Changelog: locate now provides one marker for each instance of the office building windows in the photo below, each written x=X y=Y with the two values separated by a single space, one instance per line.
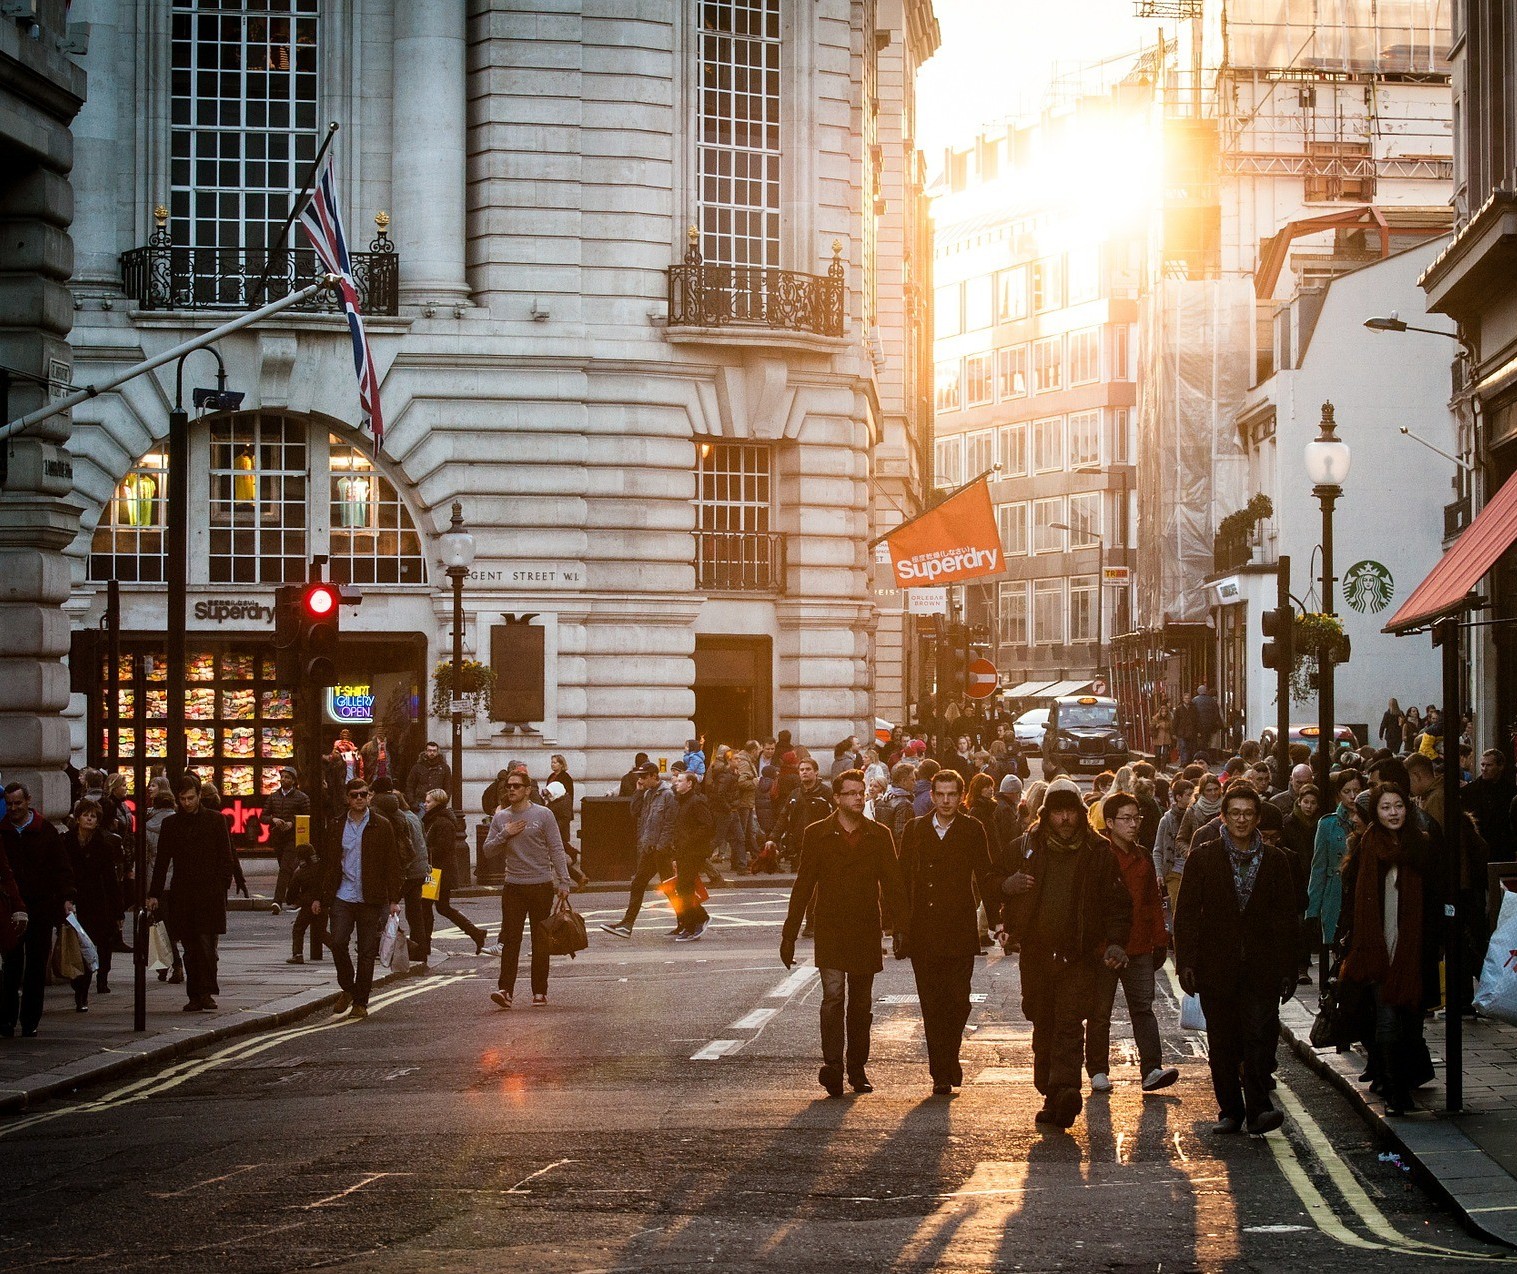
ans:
x=1014 y=613
x=1121 y=352
x=1048 y=444
x=1045 y=539
x=1048 y=612
x=1011 y=294
x=1048 y=364
x=1014 y=450
x=1085 y=356
x=1121 y=428
x=948 y=461
x=1012 y=373
x=1084 y=519
x=947 y=311
x=1082 y=607
x=1047 y=284
x=979 y=452
x=1084 y=439
x=979 y=302
x=1012 y=521
x=1084 y=275
x=946 y=376
x=979 y=383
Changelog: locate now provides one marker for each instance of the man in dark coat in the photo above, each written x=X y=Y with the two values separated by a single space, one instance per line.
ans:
x=847 y=861
x=1208 y=717
x=1070 y=913
x=428 y=772
x=195 y=843
x=1237 y=932
x=807 y=802
x=693 y=827
x=45 y=880
x=944 y=855
x=362 y=880
x=280 y=810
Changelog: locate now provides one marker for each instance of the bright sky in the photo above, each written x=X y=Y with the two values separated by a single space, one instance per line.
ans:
x=999 y=57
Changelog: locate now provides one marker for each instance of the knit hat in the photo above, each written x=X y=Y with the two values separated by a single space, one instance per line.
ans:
x=1063 y=791
x=916 y=747
x=1011 y=785
x=1365 y=804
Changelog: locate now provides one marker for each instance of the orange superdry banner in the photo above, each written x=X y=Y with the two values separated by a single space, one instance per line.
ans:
x=956 y=541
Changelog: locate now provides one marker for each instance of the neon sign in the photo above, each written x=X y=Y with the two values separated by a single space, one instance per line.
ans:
x=350 y=705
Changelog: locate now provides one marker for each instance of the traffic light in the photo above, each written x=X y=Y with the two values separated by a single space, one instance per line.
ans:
x=1279 y=624
x=952 y=670
x=287 y=634
x=319 y=629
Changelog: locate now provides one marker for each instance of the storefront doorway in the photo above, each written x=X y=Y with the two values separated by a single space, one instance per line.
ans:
x=734 y=689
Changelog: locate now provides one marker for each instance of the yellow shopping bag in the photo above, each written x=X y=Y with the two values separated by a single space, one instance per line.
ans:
x=432 y=888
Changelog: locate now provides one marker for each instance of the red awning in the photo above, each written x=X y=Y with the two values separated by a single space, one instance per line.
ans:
x=1461 y=568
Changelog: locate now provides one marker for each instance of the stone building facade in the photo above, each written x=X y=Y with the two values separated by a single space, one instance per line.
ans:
x=623 y=300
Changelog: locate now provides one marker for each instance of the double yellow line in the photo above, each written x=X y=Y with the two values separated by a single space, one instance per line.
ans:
x=181 y=1072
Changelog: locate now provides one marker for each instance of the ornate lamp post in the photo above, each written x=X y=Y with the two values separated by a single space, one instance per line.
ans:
x=456 y=545
x=1327 y=464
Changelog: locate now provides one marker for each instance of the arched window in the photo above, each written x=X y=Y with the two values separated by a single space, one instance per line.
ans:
x=274 y=490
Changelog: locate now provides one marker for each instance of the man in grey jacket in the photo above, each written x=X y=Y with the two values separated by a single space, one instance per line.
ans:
x=536 y=880
x=653 y=809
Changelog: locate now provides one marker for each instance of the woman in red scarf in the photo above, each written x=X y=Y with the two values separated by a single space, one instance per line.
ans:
x=1391 y=904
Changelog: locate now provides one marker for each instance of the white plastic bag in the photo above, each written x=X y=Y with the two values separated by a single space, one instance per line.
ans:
x=387 y=940
x=86 y=946
x=1496 y=996
x=1191 y=1017
x=161 y=949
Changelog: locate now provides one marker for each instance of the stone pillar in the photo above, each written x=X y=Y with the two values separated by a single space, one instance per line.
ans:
x=428 y=169
x=40 y=92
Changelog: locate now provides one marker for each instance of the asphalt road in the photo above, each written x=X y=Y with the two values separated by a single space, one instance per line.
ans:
x=661 y=1114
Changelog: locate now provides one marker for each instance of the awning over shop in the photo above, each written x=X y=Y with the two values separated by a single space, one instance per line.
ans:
x=1061 y=688
x=1474 y=553
x=1028 y=690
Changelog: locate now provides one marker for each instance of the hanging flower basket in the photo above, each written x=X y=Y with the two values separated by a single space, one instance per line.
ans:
x=475 y=682
x=1313 y=635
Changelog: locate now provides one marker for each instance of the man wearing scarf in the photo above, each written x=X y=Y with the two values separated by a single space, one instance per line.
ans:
x=1070 y=912
x=1236 y=937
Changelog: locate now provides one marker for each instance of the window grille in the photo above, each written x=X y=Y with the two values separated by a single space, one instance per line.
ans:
x=373 y=539
x=258 y=476
x=736 y=546
x=243 y=97
x=128 y=543
x=739 y=153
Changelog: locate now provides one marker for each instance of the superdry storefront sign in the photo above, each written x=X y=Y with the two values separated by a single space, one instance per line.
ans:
x=958 y=540
x=233 y=610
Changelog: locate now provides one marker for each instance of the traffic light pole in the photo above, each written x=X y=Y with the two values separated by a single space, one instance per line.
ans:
x=1283 y=678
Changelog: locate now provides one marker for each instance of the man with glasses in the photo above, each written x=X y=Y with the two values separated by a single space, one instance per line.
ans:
x=536 y=878
x=1237 y=933
x=363 y=878
x=1147 y=946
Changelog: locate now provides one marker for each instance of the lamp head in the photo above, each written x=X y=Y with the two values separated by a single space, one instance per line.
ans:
x=456 y=544
x=1327 y=456
x=1392 y=323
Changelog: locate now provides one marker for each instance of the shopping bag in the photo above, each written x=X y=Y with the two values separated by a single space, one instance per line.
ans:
x=563 y=932
x=87 y=950
x=387 y=940
x=432 y=886
x=160 y=949
x=670 y=890
x=400 y=958
x=68 y=959
x=1191 y=1017
x=1496 y=996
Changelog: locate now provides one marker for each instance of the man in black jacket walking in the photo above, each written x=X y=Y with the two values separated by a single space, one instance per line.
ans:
x=945 y=854
x=427 y=772
x=692 y=846
x=1070 y=912
x=1236 y=936
x=45 y=880
x=286 y=803
x=808 y=802
x=847 y=862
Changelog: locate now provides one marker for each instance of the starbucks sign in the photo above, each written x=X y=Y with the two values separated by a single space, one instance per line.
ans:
x=1368 y=587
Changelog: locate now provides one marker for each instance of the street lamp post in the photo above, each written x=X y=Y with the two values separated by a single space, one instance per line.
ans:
x=1327 y=464
x=457 y=547
x=1100 y=590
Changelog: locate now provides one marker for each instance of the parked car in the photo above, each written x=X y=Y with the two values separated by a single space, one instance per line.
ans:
x=1085 y=733
x=1308 y=735
x=1029 y=728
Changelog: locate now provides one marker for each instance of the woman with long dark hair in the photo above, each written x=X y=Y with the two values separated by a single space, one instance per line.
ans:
x=93 y=854
x=1391 y=907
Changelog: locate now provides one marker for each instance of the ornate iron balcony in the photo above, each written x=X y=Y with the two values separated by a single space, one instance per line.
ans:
x=704 y=295
x=162 y=276
x=739 y=562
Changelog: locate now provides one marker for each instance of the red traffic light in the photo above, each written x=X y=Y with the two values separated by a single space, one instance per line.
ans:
x=320 y=600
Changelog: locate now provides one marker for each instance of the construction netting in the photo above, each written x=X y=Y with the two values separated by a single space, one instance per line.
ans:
x=1195 y=346
x=1361 y=37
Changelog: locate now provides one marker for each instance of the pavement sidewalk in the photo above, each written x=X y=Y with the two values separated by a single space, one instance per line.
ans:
x=259 y=991
x=1470 y=1159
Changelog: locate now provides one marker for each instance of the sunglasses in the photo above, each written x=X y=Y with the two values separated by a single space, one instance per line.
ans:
x=351 y=795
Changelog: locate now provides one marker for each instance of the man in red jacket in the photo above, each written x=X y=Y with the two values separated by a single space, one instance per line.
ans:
x=1147 y=945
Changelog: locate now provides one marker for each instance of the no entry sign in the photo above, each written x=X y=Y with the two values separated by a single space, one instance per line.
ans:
x=981 y=679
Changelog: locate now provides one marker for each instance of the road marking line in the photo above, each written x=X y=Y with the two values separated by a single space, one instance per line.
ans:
x=532 y=1176
x=716 y=1049
x=753 y=1020
x=797 y=979
x=367 y=1180
x=210 y=1181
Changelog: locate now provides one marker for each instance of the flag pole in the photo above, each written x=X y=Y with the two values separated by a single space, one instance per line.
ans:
x=268 y=260
x=995 y=468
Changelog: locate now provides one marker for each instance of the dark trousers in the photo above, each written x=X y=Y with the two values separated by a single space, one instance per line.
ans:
x=1396 y=1048
x=520 y=904
x=1137 y=979
x=1057 y=997
x=847 y=1000
x=24 y=975
x=444 y=907
x=650 y=867
x=690 y=913
x=1242 y=1028
x=369 y=919
x=305 y=923
x=200 y=965
x=102 y=932
x=943 y=989
x=287 y=864
x=418 y=920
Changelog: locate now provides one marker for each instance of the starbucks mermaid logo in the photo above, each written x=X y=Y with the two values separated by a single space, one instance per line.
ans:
x=1368 y=586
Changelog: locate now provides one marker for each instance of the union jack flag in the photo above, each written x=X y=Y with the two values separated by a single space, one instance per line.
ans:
x=323 y=226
